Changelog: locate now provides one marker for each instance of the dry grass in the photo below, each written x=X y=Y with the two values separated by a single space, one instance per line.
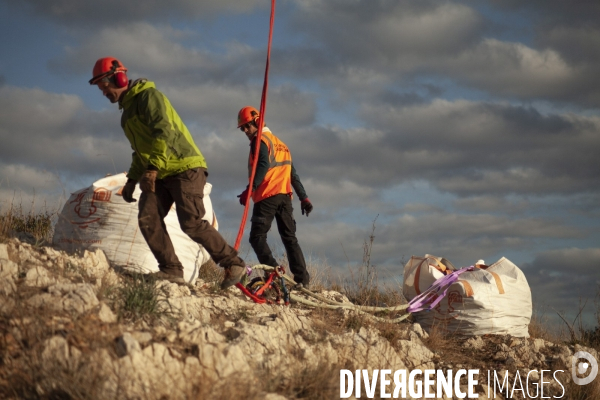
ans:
x=321 y=276
x=296 y=382
x=438 y=339
x=211 y=274
x=362 y=287
x=40 y=225
x=391 y=332
x=575 y=331
x=319 y=382
x=324 y=322
x=582 y=392
x=34 y=378
x=538 y=328
x=24 y=374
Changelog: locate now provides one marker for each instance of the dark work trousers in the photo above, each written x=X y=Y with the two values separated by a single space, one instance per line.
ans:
x=280 y=207
x=186 y=190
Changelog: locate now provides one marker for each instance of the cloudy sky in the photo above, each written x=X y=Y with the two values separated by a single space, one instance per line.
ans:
x=462 y=129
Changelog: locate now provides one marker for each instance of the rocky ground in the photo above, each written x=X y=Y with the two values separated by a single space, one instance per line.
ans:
x=72 y=327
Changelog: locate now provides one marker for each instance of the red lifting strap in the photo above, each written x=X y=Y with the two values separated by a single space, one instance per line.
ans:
x=263 y=103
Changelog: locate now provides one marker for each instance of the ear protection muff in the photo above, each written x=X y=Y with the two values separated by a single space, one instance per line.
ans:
x=120 y=79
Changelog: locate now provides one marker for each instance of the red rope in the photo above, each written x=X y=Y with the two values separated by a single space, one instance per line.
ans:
x=261 y=118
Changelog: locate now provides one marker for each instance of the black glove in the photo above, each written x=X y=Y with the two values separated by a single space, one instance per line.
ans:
x=306 y=206
x=243 y=197
x=128 y=190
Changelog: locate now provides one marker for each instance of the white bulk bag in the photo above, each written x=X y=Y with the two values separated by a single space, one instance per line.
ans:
x=421 y=272
x=97 y=217
x=487 y=300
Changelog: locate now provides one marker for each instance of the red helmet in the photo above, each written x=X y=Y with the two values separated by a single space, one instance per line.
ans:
x=105 y=67
x=247 y=114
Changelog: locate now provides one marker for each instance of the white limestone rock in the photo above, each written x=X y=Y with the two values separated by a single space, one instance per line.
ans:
x=70 y=297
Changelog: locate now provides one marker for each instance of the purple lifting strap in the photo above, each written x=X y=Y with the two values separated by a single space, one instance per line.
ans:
x=431 y=297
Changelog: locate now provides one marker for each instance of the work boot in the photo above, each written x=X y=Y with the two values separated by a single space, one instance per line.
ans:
x=233 y=275
x=300 y=286
x=160 y=275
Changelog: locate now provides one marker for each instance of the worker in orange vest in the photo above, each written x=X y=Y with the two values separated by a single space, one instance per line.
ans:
x=272 y=195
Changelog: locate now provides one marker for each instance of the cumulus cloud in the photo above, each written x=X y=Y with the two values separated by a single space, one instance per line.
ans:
x=341 y=197
x=447 y=40
x=578 y=44
x=57 y=132
x=162 y=54
x=463 y=147
x=487 y=203
x=443 y=122
x=568 y=261
x=455 y=235
x=555 y=11
x=474 y=148
x=570 y=30
x=110 y=12
x=512 y=69
x=26 y=188
x=216 y=106
x=461 y=238
x=35 y=109
x=22 y=176
x=401 y=30
x=563 y=278
x=362 y=48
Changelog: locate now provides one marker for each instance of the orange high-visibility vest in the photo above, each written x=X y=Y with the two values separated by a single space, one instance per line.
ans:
x=278 y=177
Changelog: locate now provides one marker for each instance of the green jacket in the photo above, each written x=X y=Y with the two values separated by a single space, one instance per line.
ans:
x=159 y=138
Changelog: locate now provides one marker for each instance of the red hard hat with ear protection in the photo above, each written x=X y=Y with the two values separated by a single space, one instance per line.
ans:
x=247 y=114
x=109 y=67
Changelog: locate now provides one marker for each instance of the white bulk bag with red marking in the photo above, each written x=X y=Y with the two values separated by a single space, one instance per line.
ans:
x=97 y=217
x=493 y=299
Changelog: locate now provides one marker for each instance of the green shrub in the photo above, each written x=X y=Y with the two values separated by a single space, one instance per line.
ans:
x=137 y=299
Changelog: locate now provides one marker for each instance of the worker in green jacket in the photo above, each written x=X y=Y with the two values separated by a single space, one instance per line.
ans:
x=169 y=168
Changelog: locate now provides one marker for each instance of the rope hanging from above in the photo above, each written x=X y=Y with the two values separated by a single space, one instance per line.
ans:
x=261 y=118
